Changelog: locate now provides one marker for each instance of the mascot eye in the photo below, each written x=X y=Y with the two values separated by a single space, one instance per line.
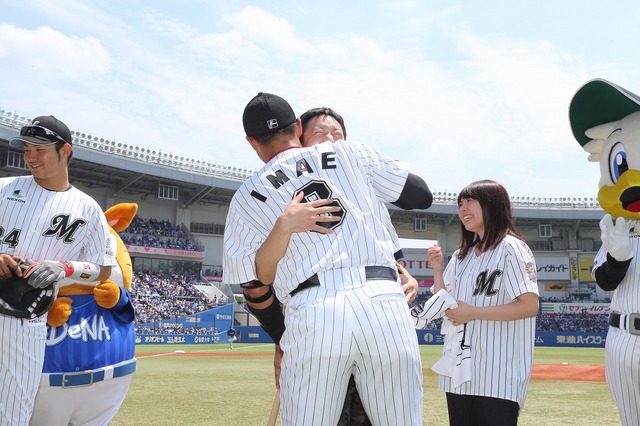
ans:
x=617 y=162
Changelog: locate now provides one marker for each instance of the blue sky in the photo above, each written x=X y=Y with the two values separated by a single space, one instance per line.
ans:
x=461 y=90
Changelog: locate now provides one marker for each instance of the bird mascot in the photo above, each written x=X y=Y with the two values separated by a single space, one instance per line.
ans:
x=605 y=120
x=89 y=357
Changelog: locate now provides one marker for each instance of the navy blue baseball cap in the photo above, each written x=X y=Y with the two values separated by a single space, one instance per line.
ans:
x=43 y=130
x=266 y=113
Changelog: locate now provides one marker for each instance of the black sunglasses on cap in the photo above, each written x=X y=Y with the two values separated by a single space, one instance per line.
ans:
x=41 y=133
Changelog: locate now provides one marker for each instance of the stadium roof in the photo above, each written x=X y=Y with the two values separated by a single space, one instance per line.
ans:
x=134 y=171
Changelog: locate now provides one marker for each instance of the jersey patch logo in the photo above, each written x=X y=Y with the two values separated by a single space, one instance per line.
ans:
x=62 y=229
x=318 y=190
x=485 y=283
x=16 y=196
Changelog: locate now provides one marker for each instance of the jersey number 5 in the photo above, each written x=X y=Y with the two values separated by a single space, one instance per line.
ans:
x=318 y=190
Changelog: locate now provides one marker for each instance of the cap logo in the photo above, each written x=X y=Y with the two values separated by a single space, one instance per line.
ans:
x=272 y=124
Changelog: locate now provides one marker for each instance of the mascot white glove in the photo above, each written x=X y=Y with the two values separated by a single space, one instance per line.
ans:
x=615 y=238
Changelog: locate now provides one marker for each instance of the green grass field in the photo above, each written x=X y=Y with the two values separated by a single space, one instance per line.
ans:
x=236 y=388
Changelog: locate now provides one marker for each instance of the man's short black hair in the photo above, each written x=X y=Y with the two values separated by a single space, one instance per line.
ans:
x=317 y=112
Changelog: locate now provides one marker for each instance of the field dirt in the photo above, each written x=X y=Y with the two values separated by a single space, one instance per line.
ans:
x=572 y=372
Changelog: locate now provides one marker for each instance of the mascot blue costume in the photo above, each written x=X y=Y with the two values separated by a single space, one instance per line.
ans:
x=89 y=358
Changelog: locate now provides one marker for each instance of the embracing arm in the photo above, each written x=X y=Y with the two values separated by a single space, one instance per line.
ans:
x=297 y=217
x=415 y=194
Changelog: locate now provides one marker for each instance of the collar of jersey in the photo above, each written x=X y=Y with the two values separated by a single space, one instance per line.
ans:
x=280 y=152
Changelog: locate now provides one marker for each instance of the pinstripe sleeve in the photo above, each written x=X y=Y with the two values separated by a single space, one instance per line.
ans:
x=102 y=251
x=520 y=268
x=387 y=176
x=241 y=242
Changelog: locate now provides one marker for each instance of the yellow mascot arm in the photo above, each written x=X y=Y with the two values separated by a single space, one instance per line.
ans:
x=106 y=294
x=60 y=312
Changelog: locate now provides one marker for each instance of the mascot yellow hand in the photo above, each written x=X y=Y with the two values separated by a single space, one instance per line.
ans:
x=106 y=294
x=60 y=312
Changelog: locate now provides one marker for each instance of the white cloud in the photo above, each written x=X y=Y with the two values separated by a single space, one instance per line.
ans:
x=43 y=53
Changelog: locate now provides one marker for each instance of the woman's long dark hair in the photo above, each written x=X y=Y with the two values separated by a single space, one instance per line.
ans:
x=496 y=216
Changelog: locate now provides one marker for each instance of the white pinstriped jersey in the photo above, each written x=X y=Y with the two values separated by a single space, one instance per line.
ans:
x=52 y=225
x=622 y=349
x=352 y=173
x=501 y=351
x=42 y=225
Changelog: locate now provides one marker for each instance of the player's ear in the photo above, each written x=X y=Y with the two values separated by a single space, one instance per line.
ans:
x=254 y=143
x=66 y=149
x=298 y=127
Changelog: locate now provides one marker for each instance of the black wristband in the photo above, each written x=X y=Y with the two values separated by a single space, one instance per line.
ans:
x=259 y=299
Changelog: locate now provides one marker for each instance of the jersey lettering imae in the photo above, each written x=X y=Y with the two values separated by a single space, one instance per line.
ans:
x=501 y=351
x=353 y=174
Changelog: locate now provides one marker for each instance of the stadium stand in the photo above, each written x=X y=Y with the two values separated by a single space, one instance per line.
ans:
x=157 y=233
x=183 y=204
x=157 y=296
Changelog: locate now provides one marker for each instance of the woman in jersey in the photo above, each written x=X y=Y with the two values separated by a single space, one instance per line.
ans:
x=492 y=276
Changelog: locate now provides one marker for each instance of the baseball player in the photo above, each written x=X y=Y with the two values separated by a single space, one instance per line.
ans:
x=346 y=313
x=58 y=232
x=492 y=276
x=326 y=125
x=231 y=336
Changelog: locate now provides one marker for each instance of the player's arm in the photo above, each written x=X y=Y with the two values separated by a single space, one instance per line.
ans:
x=297 y=217
x=415 y=194
x=264 y=305
x=410 y=285
x=436 y=262
x=525 y=306
x=43 y=273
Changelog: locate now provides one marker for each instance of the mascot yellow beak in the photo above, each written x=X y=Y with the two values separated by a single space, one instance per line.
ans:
x=623 y=198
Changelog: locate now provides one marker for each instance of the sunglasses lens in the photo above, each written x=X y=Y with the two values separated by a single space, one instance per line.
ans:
x=41 y=133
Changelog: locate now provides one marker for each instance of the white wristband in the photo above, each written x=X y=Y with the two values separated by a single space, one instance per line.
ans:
x=83 y=272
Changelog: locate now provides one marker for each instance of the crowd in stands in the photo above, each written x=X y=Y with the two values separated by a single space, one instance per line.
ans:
x=158 y=296
x=548 y=321
x=176 y=329
x=156 y=233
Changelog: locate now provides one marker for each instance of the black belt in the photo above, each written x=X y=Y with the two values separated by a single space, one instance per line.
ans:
x=619 y=320
x=371 y=273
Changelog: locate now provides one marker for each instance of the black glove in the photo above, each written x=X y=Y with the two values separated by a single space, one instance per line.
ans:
x=20 y=300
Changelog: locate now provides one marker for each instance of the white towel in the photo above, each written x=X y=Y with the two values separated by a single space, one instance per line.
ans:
x=433 y=308
x=456 y=358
